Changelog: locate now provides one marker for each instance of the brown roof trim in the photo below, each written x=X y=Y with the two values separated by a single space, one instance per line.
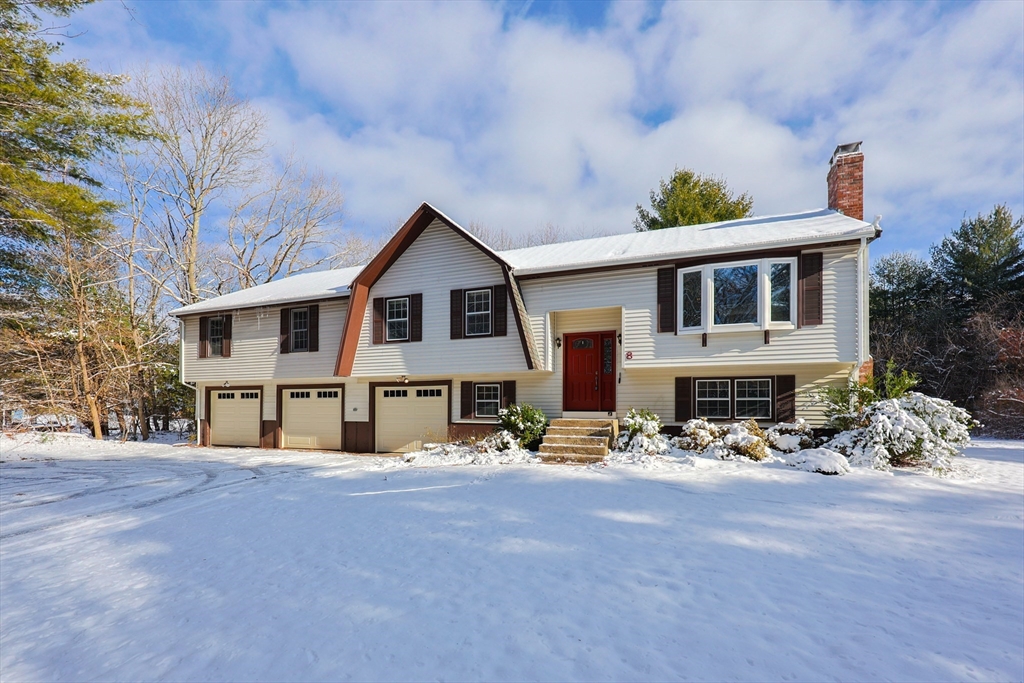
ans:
x=793 y=250
x=518 y=308
x=396 y=246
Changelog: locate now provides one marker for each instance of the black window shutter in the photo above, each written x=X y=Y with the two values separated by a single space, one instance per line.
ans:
x=810 y=289
x=457 y=325
x=314 y=327
x=785 y=398
x=500 y=314
x=667 y=299
x=684 y=400
x=204 y=337
x=286 y=330
x=415 y=317
x=508 y=393
x=467 y=401
x=226 y=346
x=378 y=320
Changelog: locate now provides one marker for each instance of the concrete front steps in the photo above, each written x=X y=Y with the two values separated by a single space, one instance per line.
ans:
x=578 y=441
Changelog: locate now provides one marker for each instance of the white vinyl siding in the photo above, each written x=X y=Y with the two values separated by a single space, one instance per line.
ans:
x=834 y=341
x=436 y=263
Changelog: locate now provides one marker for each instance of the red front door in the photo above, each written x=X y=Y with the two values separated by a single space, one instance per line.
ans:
x=589 y=371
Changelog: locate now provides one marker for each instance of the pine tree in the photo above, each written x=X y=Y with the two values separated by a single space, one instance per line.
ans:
x=982 y=259
x=689 y=198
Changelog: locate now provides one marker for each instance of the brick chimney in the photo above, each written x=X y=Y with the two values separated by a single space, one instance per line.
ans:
x=846 y=180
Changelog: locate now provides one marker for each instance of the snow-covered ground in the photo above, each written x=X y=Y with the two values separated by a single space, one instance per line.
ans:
x=150 y=561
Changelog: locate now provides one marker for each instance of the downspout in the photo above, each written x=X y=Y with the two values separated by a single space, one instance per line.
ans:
x=181 y=373
x=863 y=284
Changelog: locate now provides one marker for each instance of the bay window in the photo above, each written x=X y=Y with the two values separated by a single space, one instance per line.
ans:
x=746 y=295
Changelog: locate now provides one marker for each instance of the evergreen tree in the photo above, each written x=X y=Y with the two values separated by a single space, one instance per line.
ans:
x=982 y=259
x=55 y=119
x=689 y=198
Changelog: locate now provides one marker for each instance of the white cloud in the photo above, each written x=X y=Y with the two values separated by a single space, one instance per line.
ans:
x=518 y=122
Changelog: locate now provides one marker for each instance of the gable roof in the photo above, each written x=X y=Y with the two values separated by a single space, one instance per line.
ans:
x=324 y=284
x=396 y=246
x=745 y=234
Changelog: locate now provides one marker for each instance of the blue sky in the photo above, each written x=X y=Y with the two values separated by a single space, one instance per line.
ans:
x=520 y=114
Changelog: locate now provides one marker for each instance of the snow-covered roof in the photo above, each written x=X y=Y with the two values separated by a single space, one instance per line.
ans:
x=323 y=284
x=687 y=241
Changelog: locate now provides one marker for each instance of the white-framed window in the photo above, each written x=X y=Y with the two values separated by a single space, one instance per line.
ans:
x=300 y=329
x=396 y=393
x=478 y=312
x=753 y=399
x=397 y=319
x=713 y=399
x=216 y=337
x=743 y=295
x=298 y=394
x=488 y=400
x=329 y=393
x=691 y=289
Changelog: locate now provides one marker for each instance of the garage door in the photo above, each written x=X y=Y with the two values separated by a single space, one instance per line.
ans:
x=311 y=418
x=407 y=417
x=235 y=418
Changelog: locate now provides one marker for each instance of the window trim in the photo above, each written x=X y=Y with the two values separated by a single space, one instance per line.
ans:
x=407 y=319
x=772 y=396
x=729 y=399
x=209 y=336
x=291 y=329
x=764 y=301
x=476 y=400
x=466 y=313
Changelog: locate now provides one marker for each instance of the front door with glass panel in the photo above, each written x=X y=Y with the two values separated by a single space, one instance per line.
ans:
x=589 y=372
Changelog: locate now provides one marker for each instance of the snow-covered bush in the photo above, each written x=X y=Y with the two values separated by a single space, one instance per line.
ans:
x=911 y=430
x=524 y=423
x=790 y=437
x=744 y=439
x=501 y=440
x=642 y=433
x=697 y=435
x=820 y=460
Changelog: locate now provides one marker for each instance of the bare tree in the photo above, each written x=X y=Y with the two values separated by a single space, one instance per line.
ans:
x=209 y=142
x=291 y=226
x=501 y=239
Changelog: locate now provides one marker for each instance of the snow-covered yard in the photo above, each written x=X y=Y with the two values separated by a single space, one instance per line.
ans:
x=146 y=562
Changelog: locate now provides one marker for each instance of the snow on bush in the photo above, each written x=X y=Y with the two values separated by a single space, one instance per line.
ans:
x=740 y=440
x=790 y=437
x=523 y=423
x=494 y=450
x=744 y=439
x=642 y=433
x=697 y=435
x=912 y=430
x=820 y=460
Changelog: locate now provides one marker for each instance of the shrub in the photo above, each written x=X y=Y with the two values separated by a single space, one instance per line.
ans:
x=744 y=439
x=790 y=437
x=912 y=430
x=642 y=433
x=697 y=435
x=844 y=404
x=525 y=423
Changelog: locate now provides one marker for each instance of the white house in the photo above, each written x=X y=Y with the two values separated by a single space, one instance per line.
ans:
x=429 y=340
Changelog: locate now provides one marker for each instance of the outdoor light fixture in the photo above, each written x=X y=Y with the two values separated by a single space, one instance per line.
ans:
x=619 y=335
x=226 y=384
x=558 y=342
x=403 y=379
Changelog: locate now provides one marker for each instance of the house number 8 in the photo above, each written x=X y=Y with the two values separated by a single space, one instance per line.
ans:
x=629 y=355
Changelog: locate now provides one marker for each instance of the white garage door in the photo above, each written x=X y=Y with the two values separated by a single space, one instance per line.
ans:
x=409 y=416
x=235 y=417
x=311 y=418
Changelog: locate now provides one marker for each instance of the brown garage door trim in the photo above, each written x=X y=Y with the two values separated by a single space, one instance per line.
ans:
x=373 y=402
x=279 y=431
x=205 y=429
